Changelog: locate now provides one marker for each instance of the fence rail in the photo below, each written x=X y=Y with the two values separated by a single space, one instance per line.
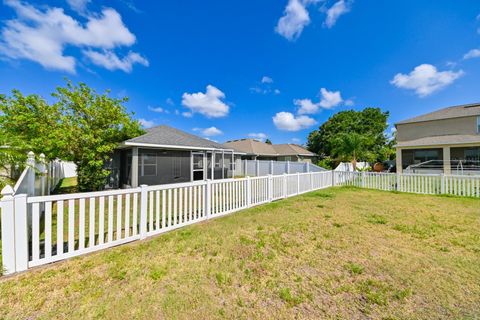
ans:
x=458 y=185
x=258 y=168
x=37 y=230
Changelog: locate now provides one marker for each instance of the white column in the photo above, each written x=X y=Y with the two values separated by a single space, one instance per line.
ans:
x=223 y=164
x=43 y=172
x=208 y=198
x=134 y=169
x=8 y=230
x=213 y=166
x=447 y=168
x=399 y=160
x=271 y=166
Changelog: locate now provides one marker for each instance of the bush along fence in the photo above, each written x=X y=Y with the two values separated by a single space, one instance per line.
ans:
x=37 y=230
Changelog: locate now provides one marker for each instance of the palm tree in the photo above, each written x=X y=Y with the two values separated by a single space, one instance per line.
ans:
x=349 y=146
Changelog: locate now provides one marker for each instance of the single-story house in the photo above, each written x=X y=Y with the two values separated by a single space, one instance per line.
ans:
x=257 y=150
x=445 y=139
x=167 y=155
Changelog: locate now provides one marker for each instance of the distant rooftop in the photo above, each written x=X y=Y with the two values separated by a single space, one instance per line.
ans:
x=465 y=110
x=255 y=147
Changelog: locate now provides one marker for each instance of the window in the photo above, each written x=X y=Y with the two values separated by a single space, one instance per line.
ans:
x=478 y=124
x=148 y=165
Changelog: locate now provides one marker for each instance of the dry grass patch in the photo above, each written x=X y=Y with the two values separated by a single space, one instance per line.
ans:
x=336 y=253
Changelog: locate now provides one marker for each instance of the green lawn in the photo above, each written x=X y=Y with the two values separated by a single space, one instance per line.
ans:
x=337 y=253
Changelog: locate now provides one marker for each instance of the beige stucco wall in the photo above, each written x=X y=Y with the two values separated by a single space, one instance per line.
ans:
x=412 y=131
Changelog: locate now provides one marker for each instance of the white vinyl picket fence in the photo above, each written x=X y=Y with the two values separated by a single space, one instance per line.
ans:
x=37 y=230
x=457 y=185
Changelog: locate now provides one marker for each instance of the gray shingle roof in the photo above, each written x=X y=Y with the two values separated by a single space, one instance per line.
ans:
x=465 y=110
x=168 y=136
x=255 y=147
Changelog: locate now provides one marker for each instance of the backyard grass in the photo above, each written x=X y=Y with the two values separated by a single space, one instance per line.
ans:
x=338 y=253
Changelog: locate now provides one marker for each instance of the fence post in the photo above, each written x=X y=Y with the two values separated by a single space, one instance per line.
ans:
x=257 y=168
x=442 y=188
x=399 y=181
x=21 y=232
x=8 y=230
x=245 y=164
x=208 y=198
x=333 y=178
x=285 y=192
x=288 y=167
x=249 y=192
x=31 y=174
x=270 y=188
x=271 y=166
x=363 y=179
x=298 y=182
x=143 y=211
x=43 y=172
x=311 y=180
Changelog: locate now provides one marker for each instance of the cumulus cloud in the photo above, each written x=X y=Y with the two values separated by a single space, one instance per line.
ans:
x=110 y=61
x=425 y=79
x=146 y=123
x=209 y=104
x=474 y=53
x=43 y=35
x=259 y=136
x=294 y=19
x=209 y=132
x=334 y=12
x=288 y=122
x=328 y=100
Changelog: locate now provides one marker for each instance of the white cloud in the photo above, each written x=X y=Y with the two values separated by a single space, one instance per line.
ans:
x=157 y=109
x=170 y=101
x=209 y=104
x=306 y=106
x=78 y=5
x=110 y=61
x=474 y=53
x=146 y=123
x=209 y=132
x=43 y=35
x=349 y=102
x=328 y=100
x=288 y=122
x=259 y=136
x=296 y=140
x=276 y=91
x=339 y=8
x=266 y=79
x=425 y=79
x=294 y=19
x=187 y=114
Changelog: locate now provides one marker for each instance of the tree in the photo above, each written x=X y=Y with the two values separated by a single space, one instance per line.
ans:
x=80 y=126
x=370 y=122
x=350 y=146
x=268 y=141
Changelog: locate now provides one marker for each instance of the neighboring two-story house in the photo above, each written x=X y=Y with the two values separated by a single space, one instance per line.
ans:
x=444 y=136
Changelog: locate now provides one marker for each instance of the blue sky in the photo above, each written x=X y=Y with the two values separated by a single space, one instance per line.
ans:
x=233 y=69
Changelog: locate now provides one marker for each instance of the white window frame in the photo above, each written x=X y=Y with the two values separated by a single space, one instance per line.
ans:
x=478 y=124
x=142 y=164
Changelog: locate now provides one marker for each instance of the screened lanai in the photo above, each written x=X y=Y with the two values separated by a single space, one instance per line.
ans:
x=167 y=155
